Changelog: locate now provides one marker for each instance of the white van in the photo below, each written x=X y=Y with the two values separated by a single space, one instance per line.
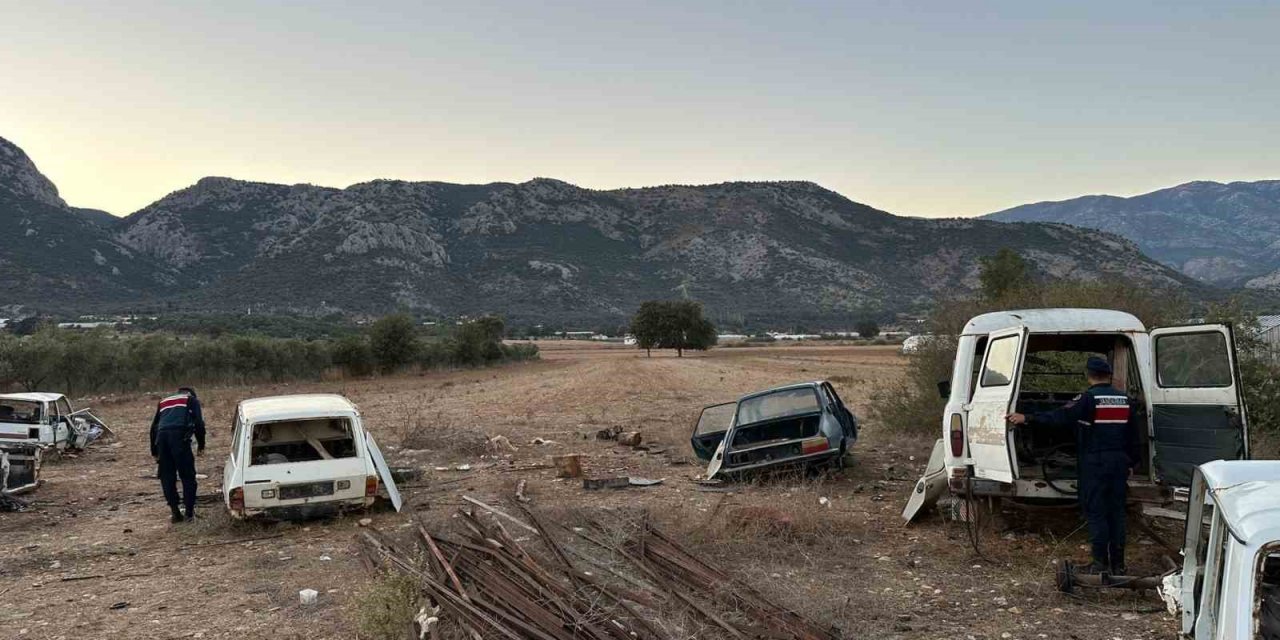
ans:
x=1184 y=381
x=301 y=456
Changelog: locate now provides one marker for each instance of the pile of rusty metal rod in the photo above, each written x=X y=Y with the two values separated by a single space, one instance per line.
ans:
x=493 y=587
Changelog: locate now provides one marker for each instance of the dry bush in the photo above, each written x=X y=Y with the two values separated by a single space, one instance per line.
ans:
x=417 y=428
x=385 y=609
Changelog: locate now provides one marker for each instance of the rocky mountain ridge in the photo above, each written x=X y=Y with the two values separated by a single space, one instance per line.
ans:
x=546 y=250
x=1222 y=234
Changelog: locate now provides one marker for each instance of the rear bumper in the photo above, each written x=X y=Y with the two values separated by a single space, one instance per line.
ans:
x=306 y=511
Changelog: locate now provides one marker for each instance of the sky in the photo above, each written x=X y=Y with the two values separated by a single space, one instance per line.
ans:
x=930 y=108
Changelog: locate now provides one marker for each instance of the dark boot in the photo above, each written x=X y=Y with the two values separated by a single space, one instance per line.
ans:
x=191 y=513
x=1118 y=567
x=175 y=515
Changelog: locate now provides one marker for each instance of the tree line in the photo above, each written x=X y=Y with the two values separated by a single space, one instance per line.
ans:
x=80 y=362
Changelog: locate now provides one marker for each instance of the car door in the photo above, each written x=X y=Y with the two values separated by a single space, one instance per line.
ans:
x=234 y=454
x=1197 y=413
x=843 y=414
x=713 y=423
x=993 y=399
x=58 y=425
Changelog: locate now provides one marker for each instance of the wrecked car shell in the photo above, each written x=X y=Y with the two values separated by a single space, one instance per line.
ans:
x=46 y=420
x=301 y=456
x=802 y=423
x=1229 y=587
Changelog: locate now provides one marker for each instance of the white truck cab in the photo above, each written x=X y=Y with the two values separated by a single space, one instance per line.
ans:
x=41 y=419
x=300 y=456
x=1229 y=587
x=1183 y=381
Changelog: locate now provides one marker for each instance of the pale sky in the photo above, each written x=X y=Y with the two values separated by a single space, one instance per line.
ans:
x=934 y=108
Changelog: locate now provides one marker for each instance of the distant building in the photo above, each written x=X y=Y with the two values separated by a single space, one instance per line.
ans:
x=1269 y=331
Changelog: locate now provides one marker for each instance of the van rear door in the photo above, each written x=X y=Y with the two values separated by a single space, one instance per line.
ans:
x=993 y=399
x=1196 y=410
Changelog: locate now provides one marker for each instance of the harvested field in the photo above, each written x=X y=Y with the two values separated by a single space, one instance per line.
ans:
x=97 y=557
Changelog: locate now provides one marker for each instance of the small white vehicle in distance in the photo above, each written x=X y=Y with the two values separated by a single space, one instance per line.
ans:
x=302 y=456
x=1229 y=586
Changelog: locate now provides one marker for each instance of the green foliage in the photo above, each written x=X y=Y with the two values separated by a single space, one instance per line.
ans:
x=672 y=324
x=386 y=609
x=394 y=342
x=867 y=329
x=1002 y=273
x=1259 y=375
x=478 y=342
x=354 y=355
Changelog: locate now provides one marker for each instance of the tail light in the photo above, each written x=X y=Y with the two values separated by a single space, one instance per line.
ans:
x=237 y=499
x=370 y=486
x=957 y=435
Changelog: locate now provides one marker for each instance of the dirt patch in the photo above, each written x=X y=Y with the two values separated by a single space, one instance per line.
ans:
x=831 y=546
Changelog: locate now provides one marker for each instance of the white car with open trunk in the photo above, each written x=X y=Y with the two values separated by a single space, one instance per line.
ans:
x=1183 y=380
x=301 y=456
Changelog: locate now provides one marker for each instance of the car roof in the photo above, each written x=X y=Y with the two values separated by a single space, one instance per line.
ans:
x=797 y=385
x=34 y=396
x=1247 y=493
x=296 y=406
x=1055 y=321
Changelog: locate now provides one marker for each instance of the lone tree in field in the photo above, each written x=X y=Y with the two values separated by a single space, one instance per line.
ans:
x=674 y=324
x=867 y=329
x=1002 y=273
x=394 y=341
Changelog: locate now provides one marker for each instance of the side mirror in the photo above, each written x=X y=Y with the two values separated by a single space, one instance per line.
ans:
x=944 y=389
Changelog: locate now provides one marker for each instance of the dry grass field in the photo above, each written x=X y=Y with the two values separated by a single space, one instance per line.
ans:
x=851 y=563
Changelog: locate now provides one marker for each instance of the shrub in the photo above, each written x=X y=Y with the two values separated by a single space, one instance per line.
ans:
x=393 y=342
x=478 y=342
x=354 y=355
x=386 y=609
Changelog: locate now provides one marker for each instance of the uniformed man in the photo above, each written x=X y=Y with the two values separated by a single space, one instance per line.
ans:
x=1106 y=448
x=178 y=418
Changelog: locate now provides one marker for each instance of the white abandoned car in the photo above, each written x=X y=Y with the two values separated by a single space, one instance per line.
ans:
x=1229 y=586
x=302 y=456
x=32 y=423
x=46 y=420
x=1184 y=382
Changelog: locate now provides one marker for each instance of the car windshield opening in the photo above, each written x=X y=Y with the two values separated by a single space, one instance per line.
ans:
x=20 y=411
x=779 y=404
x=303 y=440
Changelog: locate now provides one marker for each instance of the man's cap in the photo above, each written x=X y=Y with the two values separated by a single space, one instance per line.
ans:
x=1097 y=365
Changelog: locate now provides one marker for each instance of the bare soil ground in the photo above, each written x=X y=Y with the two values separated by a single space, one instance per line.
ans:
x=97 y=557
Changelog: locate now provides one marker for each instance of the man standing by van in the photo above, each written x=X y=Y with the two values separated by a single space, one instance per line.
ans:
x=178 y=418
x=1106 y=451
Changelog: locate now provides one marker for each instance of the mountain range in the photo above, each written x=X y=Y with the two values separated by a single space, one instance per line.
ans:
x=1222 y=234
x=542 y=250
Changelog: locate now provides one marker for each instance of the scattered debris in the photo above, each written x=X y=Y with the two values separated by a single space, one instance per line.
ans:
x=520 y=490
x=494 y=586
x=568 y=465
x=606 y=483
x=499 y=444
x=609 y=434
x=307 y=597
x=541 y=441
x=364 y=522
x=629 y=438
x=644 y=482
x=119 y=605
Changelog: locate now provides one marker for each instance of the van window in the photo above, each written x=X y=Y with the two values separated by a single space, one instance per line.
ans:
x=1193 y=360
x=302 y=441
x=64 y=407
x=1268 y=605
x=1001 y=361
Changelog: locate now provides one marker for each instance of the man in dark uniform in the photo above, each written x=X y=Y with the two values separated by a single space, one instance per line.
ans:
x=178 y=418
x=1106 y=448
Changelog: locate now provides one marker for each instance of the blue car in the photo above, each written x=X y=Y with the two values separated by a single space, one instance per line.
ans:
x=802 y=424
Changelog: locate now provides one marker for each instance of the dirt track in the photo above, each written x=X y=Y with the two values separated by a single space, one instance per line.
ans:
x=851 y=564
